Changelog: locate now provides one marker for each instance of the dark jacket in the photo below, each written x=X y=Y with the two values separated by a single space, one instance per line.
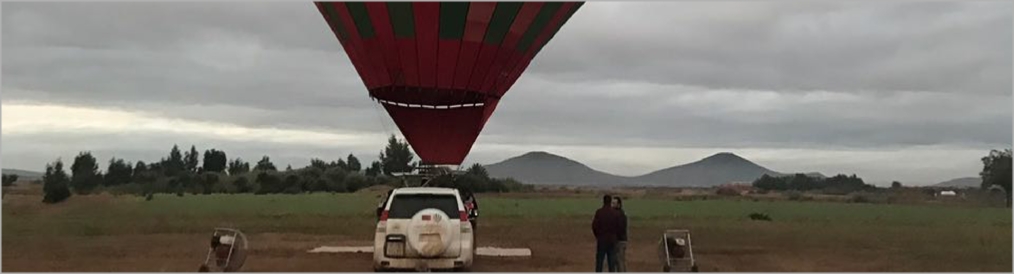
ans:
x=623 y=226
x=606 y=225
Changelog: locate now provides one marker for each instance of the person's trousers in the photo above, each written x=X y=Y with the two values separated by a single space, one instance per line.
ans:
x=607 y=252
x=621 y=256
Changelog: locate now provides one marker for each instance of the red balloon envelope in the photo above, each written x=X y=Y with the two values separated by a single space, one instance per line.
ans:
x=439 y=69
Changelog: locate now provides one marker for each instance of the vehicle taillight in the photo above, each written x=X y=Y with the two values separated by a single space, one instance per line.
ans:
x=464 y=216
x=383 y=216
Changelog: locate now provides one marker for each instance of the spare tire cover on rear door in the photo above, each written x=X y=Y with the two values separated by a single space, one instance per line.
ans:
x=429 y=232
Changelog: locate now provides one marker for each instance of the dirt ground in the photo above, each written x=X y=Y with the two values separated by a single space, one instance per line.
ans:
x=561 y=248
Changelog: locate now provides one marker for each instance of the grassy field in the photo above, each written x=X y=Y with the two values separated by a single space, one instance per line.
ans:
x=126 y=233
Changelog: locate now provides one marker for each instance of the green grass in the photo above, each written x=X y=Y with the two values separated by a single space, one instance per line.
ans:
x=307 y=213
x=817 y=212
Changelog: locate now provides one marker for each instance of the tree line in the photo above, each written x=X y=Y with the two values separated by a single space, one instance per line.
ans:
x=839 y=184
x=996 y=173
x=212 y=172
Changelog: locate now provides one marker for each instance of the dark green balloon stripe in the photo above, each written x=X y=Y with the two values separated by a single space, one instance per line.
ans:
x=501 y=22
x=336 y=22
x=452 y=19
x=402 y=19
x=361 y=18
x=538 y=24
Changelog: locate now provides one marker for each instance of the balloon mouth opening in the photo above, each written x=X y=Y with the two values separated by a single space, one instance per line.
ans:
x=442 y=106
x=431 y=98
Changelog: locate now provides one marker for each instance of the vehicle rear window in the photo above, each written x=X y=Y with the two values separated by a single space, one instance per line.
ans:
x=404 y=206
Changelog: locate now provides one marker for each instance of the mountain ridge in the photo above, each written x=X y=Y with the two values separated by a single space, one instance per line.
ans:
x=23 y=174
x=964 y=182
x=544 y=168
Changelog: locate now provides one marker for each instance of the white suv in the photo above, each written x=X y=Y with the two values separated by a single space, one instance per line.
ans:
x=423 y=228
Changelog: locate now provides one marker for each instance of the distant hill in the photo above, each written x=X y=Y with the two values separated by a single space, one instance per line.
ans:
x=23 y=174
x=816 y=175
x=548 y=169
x=965 y=182
x=714 y=170
x=542 y=168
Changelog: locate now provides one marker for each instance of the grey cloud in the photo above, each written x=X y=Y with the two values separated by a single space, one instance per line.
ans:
x=538 y=113
x=883 y=46
x=667 y=74
x=33 y=151
x=163 y=25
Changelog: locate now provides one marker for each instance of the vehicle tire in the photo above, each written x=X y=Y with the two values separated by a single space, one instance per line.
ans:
x=440 y=225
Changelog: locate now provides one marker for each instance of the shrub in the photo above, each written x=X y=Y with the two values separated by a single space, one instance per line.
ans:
x=794 y=195
x=859 y=198
x=759 y=217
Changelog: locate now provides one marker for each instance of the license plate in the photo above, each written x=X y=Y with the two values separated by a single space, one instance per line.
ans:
x=395 y=249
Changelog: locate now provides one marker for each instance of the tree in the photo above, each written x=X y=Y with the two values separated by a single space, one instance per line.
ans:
x=353 y=163
x=238 y=166
x=996 y=171
x=215 y=161
x=185 y=181
x=895 y=185
x=269 y=183
x=335 y=179
x=478 y=170
x=207 y=182
x=174 y=164
x=56 y=185
x=9 y=179
x=767 y=182
x=146 y=175
x=396 y=157
x=374 y=169
x=242 y=185
x=312 y=179
x=190 y=161
x=293 y=184
x=85 y=174
x=265 y=165
x=340 y=164
x=118 y=172
x=157 y=168
x=288 y=168
x=318 y=163
x=140 y=169
x=355 y=182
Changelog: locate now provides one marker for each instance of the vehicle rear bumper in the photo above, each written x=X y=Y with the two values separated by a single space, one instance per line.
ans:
x=420 y=263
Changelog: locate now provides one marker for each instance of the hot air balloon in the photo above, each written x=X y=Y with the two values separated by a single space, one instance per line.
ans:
x=440 y=69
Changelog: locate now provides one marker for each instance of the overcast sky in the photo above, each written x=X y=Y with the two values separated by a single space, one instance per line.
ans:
x=889 y=90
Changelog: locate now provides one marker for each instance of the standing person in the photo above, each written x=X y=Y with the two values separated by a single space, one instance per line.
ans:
x=621 y=241
x=606 y=228
x=471 y=208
